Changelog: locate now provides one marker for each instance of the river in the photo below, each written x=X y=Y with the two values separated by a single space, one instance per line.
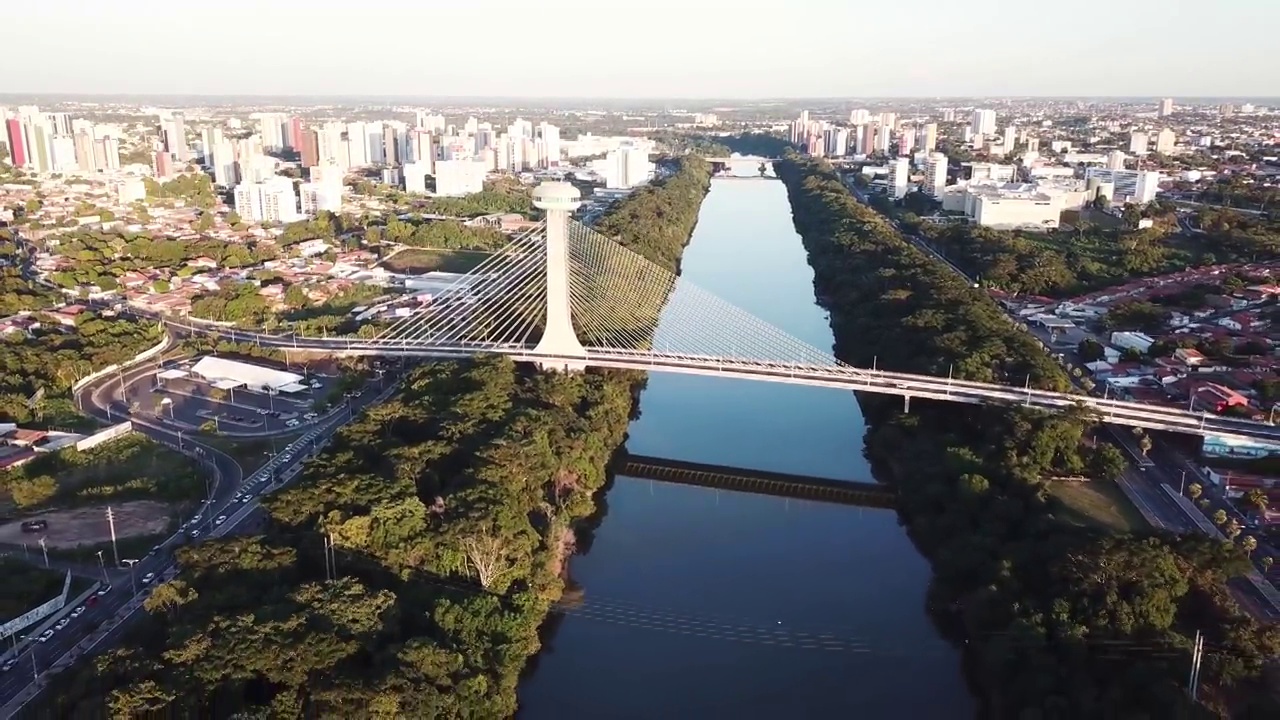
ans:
x=699 y=603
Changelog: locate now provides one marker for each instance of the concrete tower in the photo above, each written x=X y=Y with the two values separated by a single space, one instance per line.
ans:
x=558 y=199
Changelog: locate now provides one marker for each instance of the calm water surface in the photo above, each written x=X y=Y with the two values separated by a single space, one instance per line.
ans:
x=699 y=603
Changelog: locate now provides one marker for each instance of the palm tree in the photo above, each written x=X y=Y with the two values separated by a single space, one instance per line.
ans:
x=1194 y=491
x=1267 y=561
x=1145 y=444
x=1258 y=499
x=1249 y=543
x=1232 y=529
x=1219 y=517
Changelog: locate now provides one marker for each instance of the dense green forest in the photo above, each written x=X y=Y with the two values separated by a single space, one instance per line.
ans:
x=1066 y=263
x=452 y=509
x=1058 y=620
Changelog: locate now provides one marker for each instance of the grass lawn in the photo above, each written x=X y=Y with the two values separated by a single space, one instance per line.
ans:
x=424 y=260
x=1100 y=504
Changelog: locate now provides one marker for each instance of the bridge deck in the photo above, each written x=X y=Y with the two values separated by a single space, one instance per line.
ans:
x=760 y=482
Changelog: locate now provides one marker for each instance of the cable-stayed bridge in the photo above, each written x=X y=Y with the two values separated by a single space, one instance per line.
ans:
x=566 y=297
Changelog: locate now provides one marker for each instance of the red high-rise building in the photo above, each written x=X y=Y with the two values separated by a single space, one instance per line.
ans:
x=17 y=146
x=163 y=164
x=293 y=137
x=309 y=147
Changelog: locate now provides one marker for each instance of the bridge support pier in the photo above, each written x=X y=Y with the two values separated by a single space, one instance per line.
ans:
x=906 y=403
x=559 y=341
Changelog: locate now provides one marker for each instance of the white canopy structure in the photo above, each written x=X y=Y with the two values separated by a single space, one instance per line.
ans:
x=223 y=373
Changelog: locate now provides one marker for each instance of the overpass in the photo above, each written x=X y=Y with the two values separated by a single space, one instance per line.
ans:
x=757 y=482
x=565 y=297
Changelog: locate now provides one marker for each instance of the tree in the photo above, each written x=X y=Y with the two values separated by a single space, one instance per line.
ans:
x=1267 y=561
x=1145 y=444
x=1090 y=350
x=29 y=492
x=1194 y=490
x=1102 y=202
x=1249 y=543
x=1219 y=516
x=233 y=218
x=486 y=555
x=1257 y=498
x=1232 y=529
x=169 y=597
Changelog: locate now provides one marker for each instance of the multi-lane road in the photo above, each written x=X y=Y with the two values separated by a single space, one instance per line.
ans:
x=98 y=624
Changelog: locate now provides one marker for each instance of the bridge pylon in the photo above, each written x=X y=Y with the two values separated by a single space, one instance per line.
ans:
x=559 y=200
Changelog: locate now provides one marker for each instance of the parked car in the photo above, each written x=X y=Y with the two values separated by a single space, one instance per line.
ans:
x=103 y=590
x=77 y=612
x=63 y=623
x=44 y=636
x=146 y=579
x=292 y=422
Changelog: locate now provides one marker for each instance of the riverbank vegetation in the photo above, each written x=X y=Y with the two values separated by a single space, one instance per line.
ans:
x=1060 y=619
x=451 y=510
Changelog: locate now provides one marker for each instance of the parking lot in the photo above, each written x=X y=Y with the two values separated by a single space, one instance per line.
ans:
x=186 y=400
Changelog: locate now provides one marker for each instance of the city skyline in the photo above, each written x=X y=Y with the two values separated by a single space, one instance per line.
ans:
x=708 y=49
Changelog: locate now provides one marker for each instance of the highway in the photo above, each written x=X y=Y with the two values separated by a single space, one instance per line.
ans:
x=227 y=478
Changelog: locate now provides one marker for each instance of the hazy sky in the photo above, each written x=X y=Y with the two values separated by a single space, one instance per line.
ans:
x=643 y=48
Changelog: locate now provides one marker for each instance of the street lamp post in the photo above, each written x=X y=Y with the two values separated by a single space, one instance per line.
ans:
x=1183 y=485
x=45 y=549
x=133 y=585
x=102 y=565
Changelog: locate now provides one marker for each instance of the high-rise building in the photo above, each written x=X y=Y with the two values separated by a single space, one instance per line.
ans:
x=1165 y=141
x=357 y=145
x=1138 y=143
x=293 y=136
x=317 y=196
x=269 y=201
x=906 y=141
x=430 y=123
x=1166 y=107
x=866 y=139
x=415 y=176
x=927 y=139
x=889 y=120
x=1010 y=139
x=60 y=122
x=174 y=135
x=391 y=145
x=627 y=166
x=547 y=142
x=106 y=153
x=948 y=115
x=882 y=139
x=1115 y=160
x=935 y=174
x=984 y=122
x=162 y=164
x=859 y=117
x=84 y=152
x=62 y=153
x=990 y=171
x=310 y=148
x=16 y=137
x=1138 y=186
x=271 y=126
x=459 y=177
x=899 y=174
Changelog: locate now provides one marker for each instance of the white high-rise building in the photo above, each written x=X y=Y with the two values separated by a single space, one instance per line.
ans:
x=459 y=177
x=1165 y=141
x=271 y=127
x=1166 y=107
x=269 y=201
x=520 y=128
x=859 y=117
x=317 y=196
x=882 y=139
x=1138 y=143
x=62 y=154
x=935 y=174
x=627 y=167
x=899 y=174
x=1139 y=186
x=1115 y=160
x=991 y=171
x=984 y=122
x=357 y=144
x=548 y=139
x=1010 y=139
x=430 y=123
x=415 y=176
x=927 y=137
